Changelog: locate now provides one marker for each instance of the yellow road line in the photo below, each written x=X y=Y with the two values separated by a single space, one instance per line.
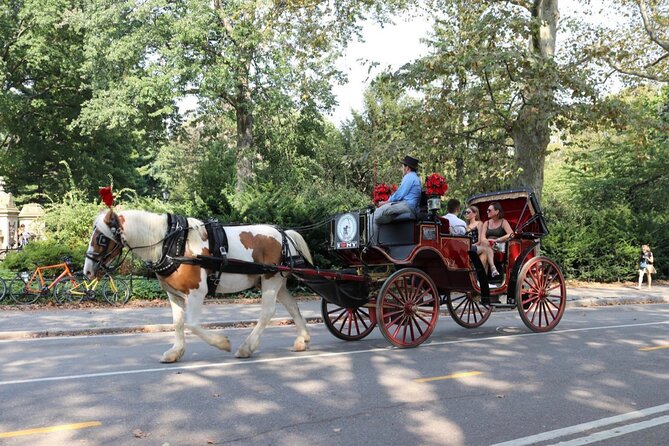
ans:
x=647 y=349
x=44 y=430
x=453 y=376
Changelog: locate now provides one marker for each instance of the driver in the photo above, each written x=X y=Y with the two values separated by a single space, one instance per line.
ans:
x=405 y=199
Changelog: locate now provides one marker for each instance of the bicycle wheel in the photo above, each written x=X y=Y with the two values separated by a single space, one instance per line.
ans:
x=116 y=291
x=21 y=291
x=3 y=288
x=73 y=288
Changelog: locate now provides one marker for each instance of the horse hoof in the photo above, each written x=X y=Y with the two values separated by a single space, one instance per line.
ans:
x=242 y=353
x=171 y=356
x=300 y=346
x=223 y=343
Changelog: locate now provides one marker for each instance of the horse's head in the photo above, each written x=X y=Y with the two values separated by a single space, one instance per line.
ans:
x=106 y=243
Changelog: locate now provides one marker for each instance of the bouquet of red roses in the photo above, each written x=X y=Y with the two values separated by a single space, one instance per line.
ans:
x=383 y=191
x=435 y=184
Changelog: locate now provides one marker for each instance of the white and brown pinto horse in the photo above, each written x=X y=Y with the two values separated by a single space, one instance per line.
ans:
x=143 y=233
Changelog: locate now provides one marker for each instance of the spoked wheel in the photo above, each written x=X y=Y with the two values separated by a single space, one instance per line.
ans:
x=407 y=307
x=75 y=288
x=116 y=291
x=21 y=292
x=467 y=310
x=349 y=324
x=541 y=294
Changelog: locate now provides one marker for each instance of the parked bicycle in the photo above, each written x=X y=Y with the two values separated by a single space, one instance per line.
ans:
x=26 y=288
x=3 y=289
x=79 y=288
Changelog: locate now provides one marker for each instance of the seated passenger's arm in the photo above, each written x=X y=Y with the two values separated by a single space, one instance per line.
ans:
x=509 y=232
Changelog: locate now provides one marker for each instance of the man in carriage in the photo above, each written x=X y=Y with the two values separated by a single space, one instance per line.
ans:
x=405 y=200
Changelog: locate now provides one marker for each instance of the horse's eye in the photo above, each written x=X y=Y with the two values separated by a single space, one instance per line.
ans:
x=103 y=240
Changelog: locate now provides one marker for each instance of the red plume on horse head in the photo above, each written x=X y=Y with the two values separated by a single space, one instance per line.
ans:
x=107 y=196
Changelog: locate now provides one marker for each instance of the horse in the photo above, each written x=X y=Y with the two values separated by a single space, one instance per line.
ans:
x=147 y=235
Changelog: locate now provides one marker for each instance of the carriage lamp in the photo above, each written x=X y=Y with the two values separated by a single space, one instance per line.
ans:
x=433 y=204
x=166 y=195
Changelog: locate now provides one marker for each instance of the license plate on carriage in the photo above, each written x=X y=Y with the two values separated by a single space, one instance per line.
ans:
x=347 y=231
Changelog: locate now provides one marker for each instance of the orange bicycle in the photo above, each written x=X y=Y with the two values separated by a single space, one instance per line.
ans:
x=26 y=288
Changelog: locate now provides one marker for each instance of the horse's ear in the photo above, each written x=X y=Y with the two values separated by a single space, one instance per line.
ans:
x=113 y=222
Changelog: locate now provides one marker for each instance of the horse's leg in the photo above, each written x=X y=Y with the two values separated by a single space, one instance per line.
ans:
x=270 y=288
x=179 y=347
x=288 y=301
x=193 y=314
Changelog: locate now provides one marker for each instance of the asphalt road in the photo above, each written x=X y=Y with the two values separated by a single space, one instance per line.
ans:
x=602 y=375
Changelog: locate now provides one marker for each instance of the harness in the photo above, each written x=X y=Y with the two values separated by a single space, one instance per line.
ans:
x=218 y=247
x=174 y=245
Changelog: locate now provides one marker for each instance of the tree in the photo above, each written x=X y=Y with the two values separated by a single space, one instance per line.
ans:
x=244 y=59
x=495 y=86
x=638 y=47
x=43 y=89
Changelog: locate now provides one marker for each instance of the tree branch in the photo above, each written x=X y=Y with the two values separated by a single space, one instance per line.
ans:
x=657 y=61
x=648 y=25
x=629 y=72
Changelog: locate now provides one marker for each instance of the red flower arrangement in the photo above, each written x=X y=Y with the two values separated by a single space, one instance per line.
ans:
x=383 y=191
x=106 y=195
x=435 y=184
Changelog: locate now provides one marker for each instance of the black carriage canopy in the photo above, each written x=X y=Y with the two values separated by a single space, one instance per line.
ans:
x=521 y=210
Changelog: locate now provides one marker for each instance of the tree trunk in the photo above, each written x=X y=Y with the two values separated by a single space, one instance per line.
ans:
x=244 y=138
x=531 y=130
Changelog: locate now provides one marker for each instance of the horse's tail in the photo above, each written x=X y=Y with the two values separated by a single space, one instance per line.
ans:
x=301 y=245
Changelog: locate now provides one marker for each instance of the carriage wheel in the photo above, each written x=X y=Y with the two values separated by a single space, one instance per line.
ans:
x=407 y=307
x=467 y=310
x=541 y=294
x=349 y=324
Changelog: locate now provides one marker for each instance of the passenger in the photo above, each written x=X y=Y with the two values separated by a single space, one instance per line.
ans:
x=474 y=228
x=405 y=199
x=458 y=226
x=496 y=230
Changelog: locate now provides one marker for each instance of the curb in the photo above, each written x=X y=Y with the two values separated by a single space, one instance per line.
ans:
x=151 y=328
x=165 y=328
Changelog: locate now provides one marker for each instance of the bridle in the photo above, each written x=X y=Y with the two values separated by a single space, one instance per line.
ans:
x=165 y=266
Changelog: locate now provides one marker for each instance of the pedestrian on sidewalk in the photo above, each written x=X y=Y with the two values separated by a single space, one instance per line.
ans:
x=646 y=265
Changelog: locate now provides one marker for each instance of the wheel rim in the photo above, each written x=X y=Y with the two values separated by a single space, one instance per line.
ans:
x=407 y=308
x=71 y=289
x=21 y=294
x=467 y=310
x=541 y=294
x=349 y=324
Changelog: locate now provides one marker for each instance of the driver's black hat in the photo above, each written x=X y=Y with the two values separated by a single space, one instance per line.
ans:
x=411 y=162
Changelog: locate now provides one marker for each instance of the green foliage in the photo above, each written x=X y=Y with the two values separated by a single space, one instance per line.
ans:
x=42 y=253
x=609 y=194
x=146 y=289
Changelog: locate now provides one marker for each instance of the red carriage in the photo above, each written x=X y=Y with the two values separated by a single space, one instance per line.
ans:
x=417 y=265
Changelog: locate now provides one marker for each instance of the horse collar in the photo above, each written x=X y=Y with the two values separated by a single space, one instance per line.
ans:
x=174 y=245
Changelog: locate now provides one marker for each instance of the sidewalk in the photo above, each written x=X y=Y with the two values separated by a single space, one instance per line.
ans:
x=17 y=324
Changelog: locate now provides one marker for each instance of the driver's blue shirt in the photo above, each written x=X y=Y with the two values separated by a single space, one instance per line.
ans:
x=409 y=191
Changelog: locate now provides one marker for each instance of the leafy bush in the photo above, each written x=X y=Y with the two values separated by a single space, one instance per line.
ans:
x=146 y=289
x=43 y=252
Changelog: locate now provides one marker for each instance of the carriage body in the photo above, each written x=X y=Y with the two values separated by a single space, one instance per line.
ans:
x=420 y=258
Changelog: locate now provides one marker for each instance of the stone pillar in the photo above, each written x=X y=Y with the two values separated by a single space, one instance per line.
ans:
x=9 y=217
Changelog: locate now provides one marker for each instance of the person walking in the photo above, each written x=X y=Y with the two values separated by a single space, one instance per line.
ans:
x=646 y=265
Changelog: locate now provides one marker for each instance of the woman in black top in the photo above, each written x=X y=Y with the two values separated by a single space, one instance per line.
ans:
x=474 y=229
